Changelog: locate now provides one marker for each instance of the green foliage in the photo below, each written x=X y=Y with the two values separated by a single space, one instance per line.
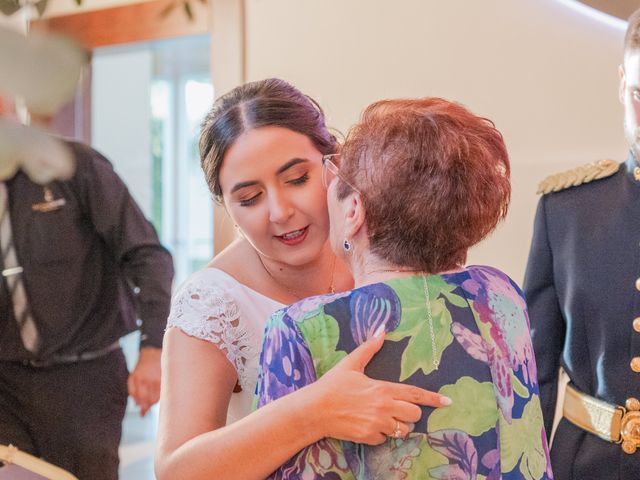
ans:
x=185 y=6
x=9 y=7
x=518 y=386
x=521 y=441
x=419 y=355
x=322 y=334
x=428 y=457
x=474 y=409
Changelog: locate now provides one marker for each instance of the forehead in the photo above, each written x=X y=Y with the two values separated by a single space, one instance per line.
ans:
x=265 y=149
x=632 y=67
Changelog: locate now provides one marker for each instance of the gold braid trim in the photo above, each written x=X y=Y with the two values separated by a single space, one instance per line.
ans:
x=578 y=176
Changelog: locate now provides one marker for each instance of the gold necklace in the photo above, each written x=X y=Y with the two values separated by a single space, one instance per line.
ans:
x=331 y=288
x=384 y=270
x=434 y=353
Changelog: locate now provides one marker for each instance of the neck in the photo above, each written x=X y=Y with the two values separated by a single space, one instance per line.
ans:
x=295 y=282
x=372 y=269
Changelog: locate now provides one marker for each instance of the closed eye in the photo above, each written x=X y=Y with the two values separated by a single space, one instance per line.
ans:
x=300 y=180
x=247 y=202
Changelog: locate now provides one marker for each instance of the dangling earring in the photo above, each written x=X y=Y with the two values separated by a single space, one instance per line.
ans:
x=346 y=245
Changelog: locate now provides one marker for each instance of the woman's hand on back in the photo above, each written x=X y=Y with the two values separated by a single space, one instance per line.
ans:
x=360 y=409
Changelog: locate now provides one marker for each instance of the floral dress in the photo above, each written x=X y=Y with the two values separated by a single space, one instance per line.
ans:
x=483 y=360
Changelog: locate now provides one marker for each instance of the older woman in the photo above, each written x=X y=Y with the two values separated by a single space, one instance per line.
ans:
x=418 y=182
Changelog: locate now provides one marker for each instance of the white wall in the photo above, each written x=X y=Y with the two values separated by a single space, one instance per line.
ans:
x=15 y=22
x=546 y=74
x=121 y=81
x=543 y=71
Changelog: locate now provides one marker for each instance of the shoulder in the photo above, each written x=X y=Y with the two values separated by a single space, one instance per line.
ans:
x=309 y=307
x=205 y=307
x=494 y=281
x=239 y=260
x=488 y=274
x=575 y=177
x=93 y=169
x=86 y=155
x=211 y=282
x=203 y=302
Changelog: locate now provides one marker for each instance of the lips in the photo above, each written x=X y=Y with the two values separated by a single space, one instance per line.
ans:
x=293 y=237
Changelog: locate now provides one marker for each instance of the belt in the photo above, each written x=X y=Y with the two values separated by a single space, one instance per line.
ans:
x=73 y=358
x=610 y=422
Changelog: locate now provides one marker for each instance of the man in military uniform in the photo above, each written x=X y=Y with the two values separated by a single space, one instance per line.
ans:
x=583 y=290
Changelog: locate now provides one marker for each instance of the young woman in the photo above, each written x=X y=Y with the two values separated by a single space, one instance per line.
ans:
x=261 y=148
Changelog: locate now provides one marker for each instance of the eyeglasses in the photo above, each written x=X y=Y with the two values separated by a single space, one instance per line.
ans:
x=330 y=170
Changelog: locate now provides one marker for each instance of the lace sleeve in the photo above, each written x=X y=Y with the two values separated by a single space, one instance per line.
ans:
x=207 y=312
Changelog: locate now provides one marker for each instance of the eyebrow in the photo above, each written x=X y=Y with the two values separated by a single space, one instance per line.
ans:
x=241 y=185
x=291 y=163
x=282 y=169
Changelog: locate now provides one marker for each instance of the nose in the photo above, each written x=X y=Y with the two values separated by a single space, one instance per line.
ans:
x=280 y=208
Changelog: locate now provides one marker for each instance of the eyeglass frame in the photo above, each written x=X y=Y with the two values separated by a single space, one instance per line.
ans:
x=328 y=164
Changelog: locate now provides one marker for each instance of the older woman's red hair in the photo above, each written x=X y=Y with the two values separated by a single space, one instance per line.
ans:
x=458 y=158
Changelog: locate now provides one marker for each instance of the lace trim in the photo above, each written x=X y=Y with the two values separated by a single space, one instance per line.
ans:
x=209 y=313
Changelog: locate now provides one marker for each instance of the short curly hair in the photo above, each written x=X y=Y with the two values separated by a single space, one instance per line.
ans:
x=434 y=180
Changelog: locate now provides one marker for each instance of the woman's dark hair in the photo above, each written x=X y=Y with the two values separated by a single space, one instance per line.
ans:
x=434 y=180
x=265 y=103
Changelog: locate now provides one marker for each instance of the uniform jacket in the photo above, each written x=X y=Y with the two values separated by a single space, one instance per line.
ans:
x=581 y=287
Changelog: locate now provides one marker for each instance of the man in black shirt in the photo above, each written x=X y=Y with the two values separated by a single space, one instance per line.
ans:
x=91 y=266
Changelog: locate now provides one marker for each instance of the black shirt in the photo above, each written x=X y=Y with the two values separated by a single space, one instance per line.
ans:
x=91 y=268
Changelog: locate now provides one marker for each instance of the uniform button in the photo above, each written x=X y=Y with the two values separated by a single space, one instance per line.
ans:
x=638 y=284
x=636 y=324
x=635 y=364
x=636 y=173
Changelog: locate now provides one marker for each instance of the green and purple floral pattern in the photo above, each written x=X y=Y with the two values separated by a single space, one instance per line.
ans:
x=483 y=360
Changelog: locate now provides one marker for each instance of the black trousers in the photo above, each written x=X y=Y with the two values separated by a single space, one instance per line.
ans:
x=70 y=415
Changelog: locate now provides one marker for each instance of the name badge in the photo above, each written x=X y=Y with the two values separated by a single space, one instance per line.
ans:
x=50 y=204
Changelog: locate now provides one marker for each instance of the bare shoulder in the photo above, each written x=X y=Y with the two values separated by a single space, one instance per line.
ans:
x=238 y=260
x=578 y=176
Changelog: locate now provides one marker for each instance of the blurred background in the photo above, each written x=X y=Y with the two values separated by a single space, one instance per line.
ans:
x=545 y=71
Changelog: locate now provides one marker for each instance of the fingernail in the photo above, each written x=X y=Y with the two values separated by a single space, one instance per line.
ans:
x=411 y=426
x=379 y=331
x=445 y=401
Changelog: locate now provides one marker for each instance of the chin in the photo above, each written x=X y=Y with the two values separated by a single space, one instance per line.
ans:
x=300 y=255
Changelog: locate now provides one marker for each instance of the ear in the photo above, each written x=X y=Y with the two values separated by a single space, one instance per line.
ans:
x=354 y=216
x=623 y=83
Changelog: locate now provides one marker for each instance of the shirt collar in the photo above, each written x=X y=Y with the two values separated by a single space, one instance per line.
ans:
x=633 y=169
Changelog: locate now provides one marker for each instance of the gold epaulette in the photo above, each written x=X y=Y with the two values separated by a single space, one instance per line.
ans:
x=578 y=176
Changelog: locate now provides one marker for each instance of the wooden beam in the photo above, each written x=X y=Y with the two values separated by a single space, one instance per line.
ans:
x=153 y=20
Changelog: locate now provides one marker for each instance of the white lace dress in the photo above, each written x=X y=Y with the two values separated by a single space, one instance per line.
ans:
x=214 y=306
